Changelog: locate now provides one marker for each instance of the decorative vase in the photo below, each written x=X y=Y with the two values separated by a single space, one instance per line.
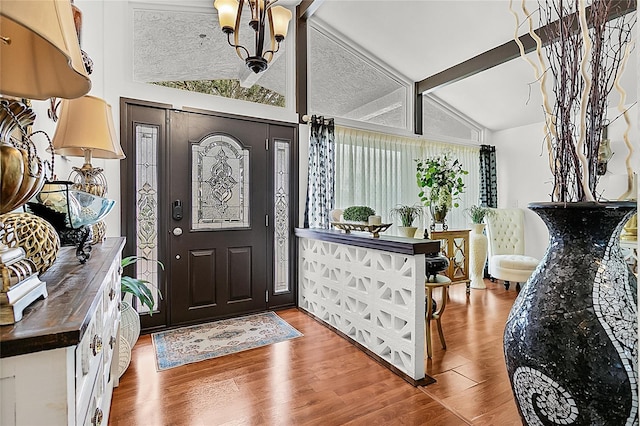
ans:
x=438 y=215
x=478 y=245
x=407 y=231
x=570 y=341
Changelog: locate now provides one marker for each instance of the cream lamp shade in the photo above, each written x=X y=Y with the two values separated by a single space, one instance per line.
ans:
x=227 y=13
x=281 y=18
x=86 y=125
x=40 y=51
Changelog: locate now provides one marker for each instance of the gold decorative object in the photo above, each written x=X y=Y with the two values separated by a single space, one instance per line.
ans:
x=21 y=171
x=347 y=227
x=35 y=235
x=630 y=230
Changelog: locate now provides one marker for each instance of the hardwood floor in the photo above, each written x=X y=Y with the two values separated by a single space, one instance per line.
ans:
x=321 y=379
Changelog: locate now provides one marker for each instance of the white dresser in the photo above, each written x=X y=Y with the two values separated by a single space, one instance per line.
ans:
x=59 y=364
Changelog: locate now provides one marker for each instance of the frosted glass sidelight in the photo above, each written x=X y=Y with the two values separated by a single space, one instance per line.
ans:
x=146 y=137
x=220 y=184
x=281 y=217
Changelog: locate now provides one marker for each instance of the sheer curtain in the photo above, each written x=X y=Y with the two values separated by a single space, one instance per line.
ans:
x=379 y=171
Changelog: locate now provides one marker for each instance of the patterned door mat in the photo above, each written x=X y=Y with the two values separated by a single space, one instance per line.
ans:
x=195 y=343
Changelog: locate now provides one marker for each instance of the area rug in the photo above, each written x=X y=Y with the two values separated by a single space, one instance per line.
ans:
x=195 y=343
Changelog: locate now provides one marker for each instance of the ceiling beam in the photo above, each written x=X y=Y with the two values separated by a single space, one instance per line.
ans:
x=304 y=11
x=508 y=51
x=307 y=8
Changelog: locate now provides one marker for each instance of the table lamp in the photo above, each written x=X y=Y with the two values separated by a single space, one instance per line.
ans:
x=41 y=59
x=85 y=129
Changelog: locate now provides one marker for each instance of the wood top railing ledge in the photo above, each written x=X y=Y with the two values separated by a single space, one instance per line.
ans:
x=402 y=245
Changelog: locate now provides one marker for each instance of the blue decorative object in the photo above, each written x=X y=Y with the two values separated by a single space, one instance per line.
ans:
x=571 y=339
x=71 y=212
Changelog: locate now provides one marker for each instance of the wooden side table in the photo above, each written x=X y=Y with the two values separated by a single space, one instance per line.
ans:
x=454 y=245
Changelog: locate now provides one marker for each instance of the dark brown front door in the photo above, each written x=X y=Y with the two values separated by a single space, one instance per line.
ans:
x=212 y=196
x=219 y=193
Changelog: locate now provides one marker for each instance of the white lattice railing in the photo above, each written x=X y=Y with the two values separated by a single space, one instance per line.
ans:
x=374 y=297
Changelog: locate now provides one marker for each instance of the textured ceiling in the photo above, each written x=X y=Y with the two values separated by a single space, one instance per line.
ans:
x=414 y=38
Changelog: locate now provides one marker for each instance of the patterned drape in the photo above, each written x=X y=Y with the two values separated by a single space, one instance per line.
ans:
x=321 y=186
x=488 y=179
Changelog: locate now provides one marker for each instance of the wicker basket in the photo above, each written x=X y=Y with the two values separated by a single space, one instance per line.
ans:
x=124 y=356
x=129 y=323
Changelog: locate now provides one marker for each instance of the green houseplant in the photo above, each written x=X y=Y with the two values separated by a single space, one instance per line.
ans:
x=357 y=213
x=137 y=287
x=440 y=182
x=407 y=215
x=129 y=318
x=478 y=213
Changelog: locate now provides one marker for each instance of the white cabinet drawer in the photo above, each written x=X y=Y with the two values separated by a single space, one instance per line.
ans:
x=88 y=361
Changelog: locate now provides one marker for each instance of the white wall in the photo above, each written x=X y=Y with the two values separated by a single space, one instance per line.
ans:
x=524 y=175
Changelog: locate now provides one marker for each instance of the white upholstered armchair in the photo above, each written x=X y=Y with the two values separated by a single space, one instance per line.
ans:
x=507 y=261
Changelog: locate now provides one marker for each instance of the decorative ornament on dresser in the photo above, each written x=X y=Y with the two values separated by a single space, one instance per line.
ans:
x=478 y=245
x=440 y=183
x=571 y=339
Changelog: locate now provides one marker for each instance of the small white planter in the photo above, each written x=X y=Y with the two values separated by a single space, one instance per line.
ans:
x=407 y=231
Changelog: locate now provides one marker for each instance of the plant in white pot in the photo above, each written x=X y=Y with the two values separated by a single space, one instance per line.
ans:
x=571 y=339
x=129 y=318
x=478 y=245
x=407 y=215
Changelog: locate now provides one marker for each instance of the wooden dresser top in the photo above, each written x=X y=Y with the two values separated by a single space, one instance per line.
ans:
x=61 y=319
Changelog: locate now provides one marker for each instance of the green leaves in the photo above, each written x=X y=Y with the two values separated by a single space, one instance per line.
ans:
x=358 y=213
x=443 y=176
x=137 y=287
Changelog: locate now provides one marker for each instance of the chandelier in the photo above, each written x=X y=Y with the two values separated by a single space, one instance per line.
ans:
x=229 y=15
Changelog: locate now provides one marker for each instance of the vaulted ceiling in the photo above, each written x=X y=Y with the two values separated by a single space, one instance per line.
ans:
x=415 y=38
x=422 y=38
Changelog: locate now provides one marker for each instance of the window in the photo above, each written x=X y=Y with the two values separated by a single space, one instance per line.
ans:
x=187 y=51
x=344 y=83
x=440 y=121
x=378 y=170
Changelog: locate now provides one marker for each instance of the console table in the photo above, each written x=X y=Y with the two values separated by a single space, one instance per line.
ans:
x=455 y=247
x=59 y=364
x=369 y=290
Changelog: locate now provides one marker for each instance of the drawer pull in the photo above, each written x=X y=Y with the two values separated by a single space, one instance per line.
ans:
x=96 y=344
x=97 y=417
x=112 y=294
x=112 y=341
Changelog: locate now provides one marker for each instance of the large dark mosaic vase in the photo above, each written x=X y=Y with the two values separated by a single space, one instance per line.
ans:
x=570 y=341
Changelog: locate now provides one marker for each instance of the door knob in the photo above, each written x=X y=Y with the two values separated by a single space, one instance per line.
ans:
x=177 y=231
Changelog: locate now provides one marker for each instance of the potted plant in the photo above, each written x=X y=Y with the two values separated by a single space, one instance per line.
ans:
x=440 y=181
x=567 y=333
x=478 y=245
x=478 y=213
x=407 y=215
x=140 y=289
x=358 y=214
